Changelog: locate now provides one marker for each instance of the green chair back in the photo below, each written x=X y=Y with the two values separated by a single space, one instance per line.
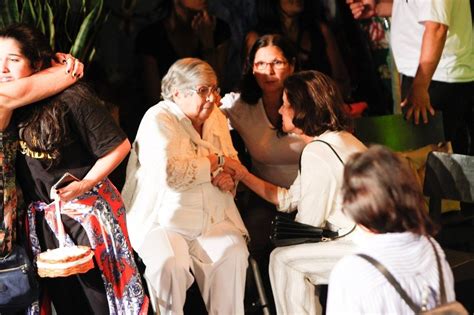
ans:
x=397 y=133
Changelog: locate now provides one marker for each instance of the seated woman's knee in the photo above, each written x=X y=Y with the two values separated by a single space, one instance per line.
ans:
x=278 y=256
x=174 y=264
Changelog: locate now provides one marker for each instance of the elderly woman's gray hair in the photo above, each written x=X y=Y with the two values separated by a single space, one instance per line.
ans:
x=186 y=73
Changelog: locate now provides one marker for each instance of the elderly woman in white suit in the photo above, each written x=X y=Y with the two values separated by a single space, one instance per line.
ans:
x=179 y=194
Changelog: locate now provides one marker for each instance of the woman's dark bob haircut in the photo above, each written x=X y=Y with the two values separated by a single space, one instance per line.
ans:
x=381 y=193
x=250 y=91
x=317 y=103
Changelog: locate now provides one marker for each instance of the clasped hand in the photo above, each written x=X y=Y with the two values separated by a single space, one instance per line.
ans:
x=233 y=171
x=223 y=181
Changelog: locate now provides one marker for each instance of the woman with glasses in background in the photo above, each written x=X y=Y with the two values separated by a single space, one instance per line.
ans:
x=180 y=196
x=304 y=24
x=253 y=113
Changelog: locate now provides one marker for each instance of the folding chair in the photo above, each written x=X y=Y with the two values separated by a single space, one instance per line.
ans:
x=451 y=176
x=262 y=302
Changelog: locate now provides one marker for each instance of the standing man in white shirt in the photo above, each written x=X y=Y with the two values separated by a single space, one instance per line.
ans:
x=432 y=43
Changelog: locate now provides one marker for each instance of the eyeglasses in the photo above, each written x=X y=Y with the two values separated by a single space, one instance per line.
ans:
x=276 y=65
x=205 y=91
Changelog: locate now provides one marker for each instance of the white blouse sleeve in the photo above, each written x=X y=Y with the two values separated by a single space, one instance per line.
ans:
x=288 y=198
x=312 y=193
x=168 y=151
x=228 y=103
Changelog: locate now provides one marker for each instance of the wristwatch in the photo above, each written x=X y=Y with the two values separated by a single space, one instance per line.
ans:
x=220 y=160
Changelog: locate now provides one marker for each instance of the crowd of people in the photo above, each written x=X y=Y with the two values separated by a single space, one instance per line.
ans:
x=193 y=208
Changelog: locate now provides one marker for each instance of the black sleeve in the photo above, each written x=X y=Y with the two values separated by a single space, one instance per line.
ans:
x=92 y=122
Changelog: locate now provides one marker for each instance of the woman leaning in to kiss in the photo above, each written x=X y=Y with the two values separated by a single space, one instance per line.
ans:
x=312 y=109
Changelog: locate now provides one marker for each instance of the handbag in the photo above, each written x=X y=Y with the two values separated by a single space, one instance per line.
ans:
x=18 y=285
x=286 y=231
x=443 y=307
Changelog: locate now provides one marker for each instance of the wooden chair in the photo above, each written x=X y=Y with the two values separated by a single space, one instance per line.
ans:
x=397 y=133
x=451 y=176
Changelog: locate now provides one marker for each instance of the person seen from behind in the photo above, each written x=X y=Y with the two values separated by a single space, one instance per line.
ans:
x=381 y=194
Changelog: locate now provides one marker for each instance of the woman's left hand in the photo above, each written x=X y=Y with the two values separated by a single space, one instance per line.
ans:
x=73 y=65
x=74 y=190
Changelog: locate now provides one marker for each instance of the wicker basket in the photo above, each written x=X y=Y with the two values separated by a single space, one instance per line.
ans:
x=71 y=266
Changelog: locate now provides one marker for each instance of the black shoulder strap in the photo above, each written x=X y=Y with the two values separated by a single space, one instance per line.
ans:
x=390 y=278
x=338 y=157
x=442 y=290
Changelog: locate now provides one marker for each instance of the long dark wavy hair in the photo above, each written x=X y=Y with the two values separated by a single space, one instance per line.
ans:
x=250 y=91
x=40 y=124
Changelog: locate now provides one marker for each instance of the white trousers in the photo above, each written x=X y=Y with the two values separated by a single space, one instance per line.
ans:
x=218 y=261
x=295 y=270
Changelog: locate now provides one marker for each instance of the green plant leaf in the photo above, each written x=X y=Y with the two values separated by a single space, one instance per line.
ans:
x=51 y=26
x=69 y=25
x=27 y=13
x=67 y=21
x=83 y=36
x=91 y=55
x=100 y=4
x=39 y=23
x=10 y=13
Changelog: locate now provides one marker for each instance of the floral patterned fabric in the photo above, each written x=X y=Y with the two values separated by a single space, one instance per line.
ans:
x=8 y=191
x=102 y=215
